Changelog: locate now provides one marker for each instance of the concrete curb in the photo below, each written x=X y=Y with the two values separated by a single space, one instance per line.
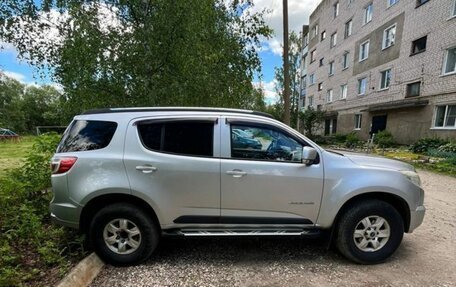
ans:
x=83 y=273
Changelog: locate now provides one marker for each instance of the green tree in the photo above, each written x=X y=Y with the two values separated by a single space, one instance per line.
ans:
x=23 y=107
x=11 y=92
x=311 y=119
x=142 y=53
x=295 y=45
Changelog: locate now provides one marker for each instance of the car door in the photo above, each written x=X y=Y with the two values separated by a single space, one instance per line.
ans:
x=174 y=164
x=267 y=183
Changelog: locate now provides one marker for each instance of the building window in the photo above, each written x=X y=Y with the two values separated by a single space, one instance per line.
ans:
x=314 y=31
x=392 y=2
x=323 y=36
x=419 y=45
x=320 y=86
x=385 y=79
x=445 y=117
x=312 y=56
x=346 y=60
x=368 y=13
x=420 y=2
x=322 y=62
x=311 y=79
x=336 y=9
x=331 y=68
x=450 y=61
x=413 y=90
x=358 y=119
x=362 y=86
x=311 y=101
x=333 y=39
x=364 y=51
x=389 y=36
x=343 y=91
x=454 y=9
x=348 y=29
x=329 y=96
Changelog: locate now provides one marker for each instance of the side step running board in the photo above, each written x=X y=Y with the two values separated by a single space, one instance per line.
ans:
x=243 y=232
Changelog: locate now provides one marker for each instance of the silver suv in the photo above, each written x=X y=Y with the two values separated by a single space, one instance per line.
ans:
x=127 y=177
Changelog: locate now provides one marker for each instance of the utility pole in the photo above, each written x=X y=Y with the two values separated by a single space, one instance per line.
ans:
x=286 y=66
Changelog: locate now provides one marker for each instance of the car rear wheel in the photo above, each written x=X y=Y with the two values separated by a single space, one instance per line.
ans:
x=369 y=231
x=123 y=234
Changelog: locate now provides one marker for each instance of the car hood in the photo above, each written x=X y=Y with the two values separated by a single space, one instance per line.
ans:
x=374 y=161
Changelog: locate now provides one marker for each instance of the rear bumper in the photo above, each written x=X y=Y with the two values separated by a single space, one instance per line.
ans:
x=416 y=217
x=65 y=214
x=67 y=223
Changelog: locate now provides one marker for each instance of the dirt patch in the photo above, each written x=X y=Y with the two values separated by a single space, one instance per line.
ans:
x=427 y=257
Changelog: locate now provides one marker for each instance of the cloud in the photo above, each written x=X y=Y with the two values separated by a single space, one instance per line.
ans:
x=16 y=76
x=298 y=15
x=270 y=95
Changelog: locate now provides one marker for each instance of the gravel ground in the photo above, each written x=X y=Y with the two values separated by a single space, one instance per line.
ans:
x=426 y=257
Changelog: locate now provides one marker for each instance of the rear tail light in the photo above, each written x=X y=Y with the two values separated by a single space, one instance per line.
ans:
x=62 y=164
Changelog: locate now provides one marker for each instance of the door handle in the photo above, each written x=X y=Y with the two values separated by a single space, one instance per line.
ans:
x=236 y=173
x=146 y=168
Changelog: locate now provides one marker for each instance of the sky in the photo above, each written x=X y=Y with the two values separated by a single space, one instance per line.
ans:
x=270 y=52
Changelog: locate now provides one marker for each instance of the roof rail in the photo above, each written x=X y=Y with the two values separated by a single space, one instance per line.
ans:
x=174 y=109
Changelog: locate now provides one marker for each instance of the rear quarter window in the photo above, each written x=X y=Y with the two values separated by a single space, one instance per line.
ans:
x=87 y=135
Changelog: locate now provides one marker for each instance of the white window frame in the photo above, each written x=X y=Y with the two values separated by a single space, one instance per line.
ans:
x=333 y=40
x=445 y=63
x=383 y=81
x=320 y=87
x=386 y=45
x=367 y=42
x=331 y=67
x=445 y=119
x=329 y=96
x=343 y=91
x=336 y=7
x=368 y=13
x=348 y=28
x=392 y=2
x=358 y=122
x=311 y=98
x=313 y=55
x=359 y=86
x=311 y=79
x=346 y=60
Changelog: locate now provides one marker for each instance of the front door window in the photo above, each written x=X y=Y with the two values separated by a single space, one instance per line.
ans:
x=263 y=143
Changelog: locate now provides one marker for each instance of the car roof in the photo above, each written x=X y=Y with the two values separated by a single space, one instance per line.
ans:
x=174 y=109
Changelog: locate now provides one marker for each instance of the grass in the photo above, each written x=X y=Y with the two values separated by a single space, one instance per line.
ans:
x=12 y=153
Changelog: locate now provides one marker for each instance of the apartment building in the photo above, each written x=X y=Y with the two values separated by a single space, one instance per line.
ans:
x=302 y=73
x=384 y=64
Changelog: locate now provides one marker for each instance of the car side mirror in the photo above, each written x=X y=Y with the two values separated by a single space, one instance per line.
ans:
x=309 y=155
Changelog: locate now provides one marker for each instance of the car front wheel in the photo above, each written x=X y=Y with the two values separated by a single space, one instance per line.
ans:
x=369 y=231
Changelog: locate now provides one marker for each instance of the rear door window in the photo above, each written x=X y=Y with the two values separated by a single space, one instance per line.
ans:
x=193 y=138
x=87 y=135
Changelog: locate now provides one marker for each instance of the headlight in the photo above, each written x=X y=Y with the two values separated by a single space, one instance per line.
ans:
x=412 y=176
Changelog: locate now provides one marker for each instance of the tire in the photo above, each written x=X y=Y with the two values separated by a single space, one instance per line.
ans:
x=123 y=221
x=374 y=231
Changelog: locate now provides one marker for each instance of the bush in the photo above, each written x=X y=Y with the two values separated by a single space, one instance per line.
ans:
x=352 y=140
x=340 y=138
x=449 y=147
x=384 y=139
x=425 y=144
x=29 y=243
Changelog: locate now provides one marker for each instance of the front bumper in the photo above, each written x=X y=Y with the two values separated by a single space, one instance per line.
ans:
x=416 y=217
